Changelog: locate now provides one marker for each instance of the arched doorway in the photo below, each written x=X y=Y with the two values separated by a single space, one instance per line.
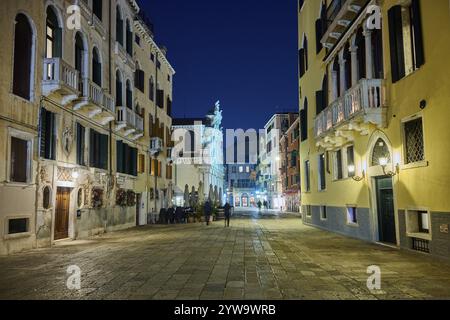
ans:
x=380 y=158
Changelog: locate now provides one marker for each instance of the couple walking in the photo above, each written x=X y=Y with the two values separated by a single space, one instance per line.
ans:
x=208 y=212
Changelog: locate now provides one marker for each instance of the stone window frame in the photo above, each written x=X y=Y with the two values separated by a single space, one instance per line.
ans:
x=411 y=218
x=8 y=235
x=29 y=137
x=419 y=164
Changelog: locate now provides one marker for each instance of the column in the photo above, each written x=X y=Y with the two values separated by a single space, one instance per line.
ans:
x=369 y=56
x=354 y=55
x=342 y=73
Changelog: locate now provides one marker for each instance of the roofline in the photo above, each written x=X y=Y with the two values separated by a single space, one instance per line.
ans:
x=140 y=26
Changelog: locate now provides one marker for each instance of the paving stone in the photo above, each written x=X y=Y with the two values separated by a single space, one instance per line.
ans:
x=259 y=257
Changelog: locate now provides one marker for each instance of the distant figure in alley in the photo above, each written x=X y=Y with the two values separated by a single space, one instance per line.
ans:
x=208 y=211
x=227 y=214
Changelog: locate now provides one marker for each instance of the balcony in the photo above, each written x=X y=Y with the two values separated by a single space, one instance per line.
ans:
x=361 y=106
x=130 y=122
x=340 y=15
x=95 y=102
x=60 y=79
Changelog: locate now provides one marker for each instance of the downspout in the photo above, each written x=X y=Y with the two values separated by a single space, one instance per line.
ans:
x=156 y=116
x=110 y=85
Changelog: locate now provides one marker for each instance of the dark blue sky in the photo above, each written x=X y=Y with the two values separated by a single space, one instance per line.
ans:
x=241 y=52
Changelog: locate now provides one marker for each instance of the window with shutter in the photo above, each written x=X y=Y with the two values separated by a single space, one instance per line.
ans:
x=322 y=181
x=406 y=40
x=97 y=8
x=301 y=62
x=47 y=135
x=23 y=47
x=304 y=121
x=98 y=150
x=81 y=137
x=19 y=160
x=119 y=157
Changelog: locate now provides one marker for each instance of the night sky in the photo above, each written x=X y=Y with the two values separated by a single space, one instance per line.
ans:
x=241 y=52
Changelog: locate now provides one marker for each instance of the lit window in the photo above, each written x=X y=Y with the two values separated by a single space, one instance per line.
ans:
x=241 y=169
x=352 y=216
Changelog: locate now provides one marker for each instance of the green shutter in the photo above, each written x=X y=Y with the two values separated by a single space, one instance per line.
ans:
x=119 y=156
x=418 y=35
x=396 y=43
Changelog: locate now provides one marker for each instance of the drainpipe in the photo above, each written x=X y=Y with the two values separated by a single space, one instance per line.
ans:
x=110 y=84
x=156 y=116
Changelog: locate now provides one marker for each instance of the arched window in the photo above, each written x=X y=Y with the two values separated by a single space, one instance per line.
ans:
x=380 y=151
x=46 y=198
x=119 y=89
x=129 y=95
x=348 y=67
x=119 y=26
x=79 y=53
x=129 y=39
x=96 y=68
x=361 y=53
x=23 y=57
x=53 y=45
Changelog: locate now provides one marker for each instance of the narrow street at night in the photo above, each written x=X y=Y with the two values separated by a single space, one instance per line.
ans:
x=261 y=256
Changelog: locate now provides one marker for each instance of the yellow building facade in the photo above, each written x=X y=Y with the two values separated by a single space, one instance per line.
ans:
x=74 y=131
x=374 y=94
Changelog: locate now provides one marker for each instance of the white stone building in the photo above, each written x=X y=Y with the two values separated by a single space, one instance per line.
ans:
x=198 y=157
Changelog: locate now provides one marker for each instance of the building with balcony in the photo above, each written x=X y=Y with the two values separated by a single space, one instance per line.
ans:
x=71 y=129
x=290 y=167
x=153 y=106
x=372 y=104
x=198 y=157
x=269 y=164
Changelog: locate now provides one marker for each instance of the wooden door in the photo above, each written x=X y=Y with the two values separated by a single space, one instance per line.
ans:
x=62 y=213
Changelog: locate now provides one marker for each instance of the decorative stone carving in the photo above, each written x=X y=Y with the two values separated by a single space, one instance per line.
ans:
x=67 y=140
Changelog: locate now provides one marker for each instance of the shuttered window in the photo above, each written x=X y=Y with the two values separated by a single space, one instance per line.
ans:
x=322 y=181
x=160 y=98
x=97 y=8
x=81 y=138
x=127 y=159
x=19 y=160
x=406 y=40
x=47 y=135
x=301 y=62
x=139 y=81
x=141 y=163
x=304 y=121
x=98 y=150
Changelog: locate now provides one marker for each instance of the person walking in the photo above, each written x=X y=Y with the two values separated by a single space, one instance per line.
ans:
x=227 y=214
x=208 y=211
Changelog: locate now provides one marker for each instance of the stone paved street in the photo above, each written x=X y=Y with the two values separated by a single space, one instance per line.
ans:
x=265 y=257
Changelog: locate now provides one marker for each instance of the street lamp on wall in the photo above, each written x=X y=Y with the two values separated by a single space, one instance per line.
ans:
x=352 y=170
x=383 y=163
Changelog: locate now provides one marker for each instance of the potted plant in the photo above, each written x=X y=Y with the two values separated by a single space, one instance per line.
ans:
x=121 y=198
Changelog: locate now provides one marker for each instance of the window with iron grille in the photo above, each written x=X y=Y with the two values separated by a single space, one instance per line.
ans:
x=414 y=144
x=421 y=245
